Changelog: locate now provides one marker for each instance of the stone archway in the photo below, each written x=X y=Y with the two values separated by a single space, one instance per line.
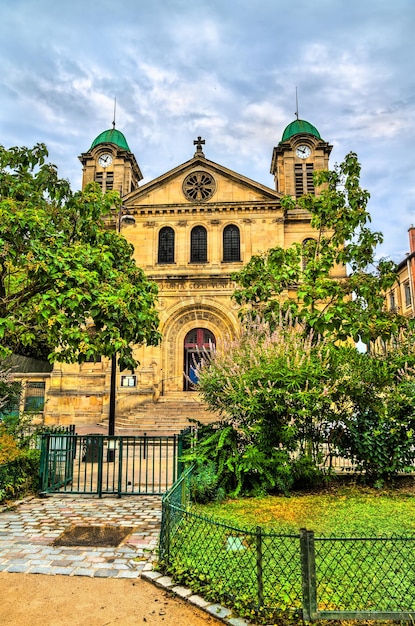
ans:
x=177 y=326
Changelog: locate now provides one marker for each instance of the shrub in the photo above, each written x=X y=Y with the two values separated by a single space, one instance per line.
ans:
x=204 y=484
x=375 y=396
x=19 y=465
x=234 y=465
x=20 y=476
x=306 y=474
x=9 y=450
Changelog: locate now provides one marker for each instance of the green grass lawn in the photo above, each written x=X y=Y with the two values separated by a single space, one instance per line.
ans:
x=216 y=549
x=341 y=511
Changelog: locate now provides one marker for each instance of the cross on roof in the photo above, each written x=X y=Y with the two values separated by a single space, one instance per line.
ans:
x=199 y=142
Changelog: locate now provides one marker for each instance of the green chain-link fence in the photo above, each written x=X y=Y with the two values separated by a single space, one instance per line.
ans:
x=266 y=575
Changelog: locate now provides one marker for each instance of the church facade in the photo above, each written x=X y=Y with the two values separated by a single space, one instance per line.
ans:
x=191 y=227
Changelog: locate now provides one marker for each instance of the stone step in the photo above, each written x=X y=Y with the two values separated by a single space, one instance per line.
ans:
x=164 y=422
x=169 y=415
x=180 y=395
x=161 y=422
x=176 y=412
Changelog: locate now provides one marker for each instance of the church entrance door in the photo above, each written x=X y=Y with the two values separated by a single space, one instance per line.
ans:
x=196 y=343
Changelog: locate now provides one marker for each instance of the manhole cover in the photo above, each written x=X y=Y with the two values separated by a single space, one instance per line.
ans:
x=93 y=536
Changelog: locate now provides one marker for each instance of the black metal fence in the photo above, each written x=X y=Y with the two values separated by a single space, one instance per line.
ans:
x=99 y=464
x=267 y=575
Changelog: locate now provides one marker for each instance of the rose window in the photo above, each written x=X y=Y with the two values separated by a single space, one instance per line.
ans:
x=199 y=186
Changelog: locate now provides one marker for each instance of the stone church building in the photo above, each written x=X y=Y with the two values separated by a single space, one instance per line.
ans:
x=191 y=227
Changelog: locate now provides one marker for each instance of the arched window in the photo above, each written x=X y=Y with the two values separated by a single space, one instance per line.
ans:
x=198 y=245
x=166 y=245
x=231 y=244
x=308 y=252
x=198 y=344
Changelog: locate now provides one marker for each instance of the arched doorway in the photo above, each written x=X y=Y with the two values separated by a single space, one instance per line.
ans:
x=196 y=342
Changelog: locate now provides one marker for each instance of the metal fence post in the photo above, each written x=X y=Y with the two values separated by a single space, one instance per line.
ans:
x=183 y=493
x=144 y=445
x=100 y=463
x=259 y=572
x=70 y=457
x=120 y=463
x=308 y=575
x=180 y=464
x=167 y=531
x=44 y=462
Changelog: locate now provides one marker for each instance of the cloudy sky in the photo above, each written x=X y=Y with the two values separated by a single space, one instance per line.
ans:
x=223 y=69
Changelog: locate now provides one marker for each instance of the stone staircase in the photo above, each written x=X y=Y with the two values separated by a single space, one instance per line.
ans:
x=168 y=416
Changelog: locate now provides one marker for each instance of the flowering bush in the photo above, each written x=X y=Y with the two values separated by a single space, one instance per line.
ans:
x=270 y=387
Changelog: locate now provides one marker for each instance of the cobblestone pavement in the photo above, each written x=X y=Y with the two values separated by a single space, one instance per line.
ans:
x=27 y=532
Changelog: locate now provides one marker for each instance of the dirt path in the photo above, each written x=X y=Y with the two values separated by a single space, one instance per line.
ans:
x=36 y=600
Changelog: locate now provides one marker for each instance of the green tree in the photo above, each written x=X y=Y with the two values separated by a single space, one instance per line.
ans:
x=301 y=279
x=68 y=285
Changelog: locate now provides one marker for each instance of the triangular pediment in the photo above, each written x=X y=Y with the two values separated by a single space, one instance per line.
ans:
x=229 y=187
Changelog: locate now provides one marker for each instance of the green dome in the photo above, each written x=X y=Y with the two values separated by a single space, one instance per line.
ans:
x=298 y=127
x=111 y=136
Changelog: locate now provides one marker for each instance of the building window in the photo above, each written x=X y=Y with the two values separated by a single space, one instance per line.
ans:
x=105 y=182
x=199 y=186
x=299 y=182
x=93 y=359
x=407 y=291
x=166 y=245
x=109 y=181
x=198 y=245
x=99 y=178
x=309 y=176
x=34 y=397
x=128 y=381
x=303 y=173
x=308 y=252
x=392 y=303
x=231 y=244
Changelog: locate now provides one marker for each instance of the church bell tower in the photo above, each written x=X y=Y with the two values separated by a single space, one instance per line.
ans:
x=110 y=163
x=300 y=152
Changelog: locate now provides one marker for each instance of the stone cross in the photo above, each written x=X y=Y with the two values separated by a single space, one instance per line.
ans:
x=199 y=142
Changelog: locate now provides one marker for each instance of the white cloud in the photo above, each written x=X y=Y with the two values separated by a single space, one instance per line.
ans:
x=224 y=69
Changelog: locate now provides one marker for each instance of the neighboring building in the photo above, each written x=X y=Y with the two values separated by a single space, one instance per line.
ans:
x=34 y=375
x=193 y=226
x=401 y=297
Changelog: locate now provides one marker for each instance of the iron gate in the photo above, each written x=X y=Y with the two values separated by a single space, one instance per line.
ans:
x=99 y=464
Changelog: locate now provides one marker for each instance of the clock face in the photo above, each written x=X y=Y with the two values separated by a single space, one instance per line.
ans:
x=105 y=160
x=303 y=151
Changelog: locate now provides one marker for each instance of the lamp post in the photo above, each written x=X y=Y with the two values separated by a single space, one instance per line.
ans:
x=126 y=219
